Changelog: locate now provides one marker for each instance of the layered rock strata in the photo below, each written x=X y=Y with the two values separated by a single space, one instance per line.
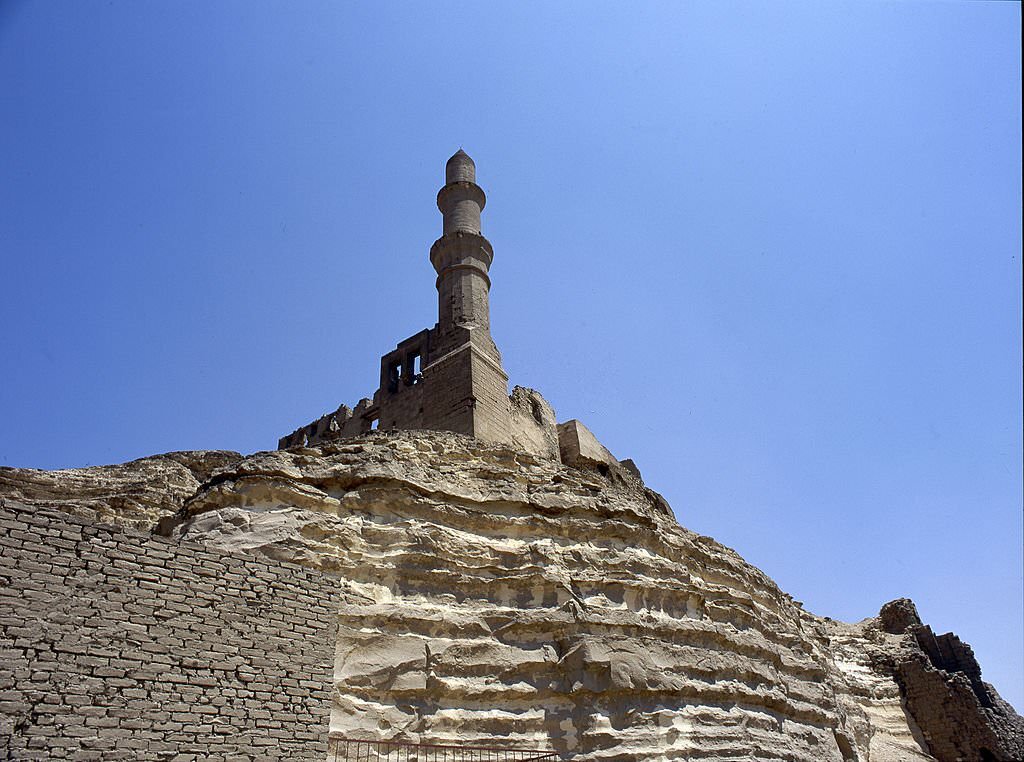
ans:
x=491 y=594
x=134 y=495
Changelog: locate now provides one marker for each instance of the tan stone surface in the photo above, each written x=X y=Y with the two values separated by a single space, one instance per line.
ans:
x=534 y=428
x=119 y=645
x=579 y=447
x=134 y=494
x=490 y=594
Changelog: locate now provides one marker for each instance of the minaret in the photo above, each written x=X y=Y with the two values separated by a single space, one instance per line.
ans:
x=462 y=257
x=465 y=389
x=449 y=377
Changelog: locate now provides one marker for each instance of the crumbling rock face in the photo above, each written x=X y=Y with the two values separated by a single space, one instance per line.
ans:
x=134 y=495
x=492 y=593
x=898 y=615
x=959 y=715
x=926 y=689
x=489 y=594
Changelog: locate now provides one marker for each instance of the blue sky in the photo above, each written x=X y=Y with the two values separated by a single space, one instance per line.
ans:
x=769 y=251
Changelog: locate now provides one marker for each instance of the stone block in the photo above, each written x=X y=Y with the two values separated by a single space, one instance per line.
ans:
x=579 y=448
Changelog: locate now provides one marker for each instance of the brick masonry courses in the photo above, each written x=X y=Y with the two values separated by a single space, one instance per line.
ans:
x=120 y=645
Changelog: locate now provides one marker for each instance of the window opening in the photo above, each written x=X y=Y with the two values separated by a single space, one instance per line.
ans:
x=415 y=369
x=394 y=373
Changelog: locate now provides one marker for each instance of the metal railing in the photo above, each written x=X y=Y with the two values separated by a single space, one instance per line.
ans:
x=353 y=750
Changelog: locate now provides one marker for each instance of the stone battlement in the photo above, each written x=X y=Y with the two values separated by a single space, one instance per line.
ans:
x=532 y=428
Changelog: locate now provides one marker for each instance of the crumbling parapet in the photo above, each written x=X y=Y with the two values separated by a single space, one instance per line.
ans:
x=898 y=615
x=534 y=426
x=343 y=422
x=579 y=448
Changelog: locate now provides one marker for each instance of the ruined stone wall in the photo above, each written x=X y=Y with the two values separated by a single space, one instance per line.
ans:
x=534 y=427
x=342 y=423
x=402 y=409
x=447 y=393
x=491 y=415
x=119 y=645
x=960 y=715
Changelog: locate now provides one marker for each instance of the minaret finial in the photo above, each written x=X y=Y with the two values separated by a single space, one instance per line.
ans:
x=461 y=199
x=460 y=168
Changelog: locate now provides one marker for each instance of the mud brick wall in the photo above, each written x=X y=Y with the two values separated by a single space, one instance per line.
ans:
x=120 y=645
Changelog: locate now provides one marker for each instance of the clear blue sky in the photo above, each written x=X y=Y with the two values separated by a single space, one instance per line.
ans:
x=771 y=251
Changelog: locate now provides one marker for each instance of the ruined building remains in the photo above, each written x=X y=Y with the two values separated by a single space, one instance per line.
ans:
x=450 y=377
x=415 y=593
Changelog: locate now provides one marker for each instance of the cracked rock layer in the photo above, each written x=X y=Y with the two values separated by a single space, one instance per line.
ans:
x=491 y=594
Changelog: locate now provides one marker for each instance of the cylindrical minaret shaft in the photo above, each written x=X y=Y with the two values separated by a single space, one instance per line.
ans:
x=462 y=256
x=461 y=200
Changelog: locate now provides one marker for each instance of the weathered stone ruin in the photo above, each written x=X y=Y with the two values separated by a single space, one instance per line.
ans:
x=450 y=377
x=471 y=573
x=960 y=716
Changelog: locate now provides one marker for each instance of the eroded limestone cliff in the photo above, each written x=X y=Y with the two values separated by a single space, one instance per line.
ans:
x=490 y=593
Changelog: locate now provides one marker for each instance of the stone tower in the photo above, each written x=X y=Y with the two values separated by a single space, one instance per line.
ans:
x=465 y=387
x=449 y=377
